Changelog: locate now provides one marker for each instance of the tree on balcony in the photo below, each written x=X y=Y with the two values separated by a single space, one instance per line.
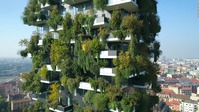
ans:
x=100 y=4
x=55 y=18
x=58 y=51
x=54 y=95
x=30 y=12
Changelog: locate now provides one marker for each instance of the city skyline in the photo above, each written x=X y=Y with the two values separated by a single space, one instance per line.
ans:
x=178 y=36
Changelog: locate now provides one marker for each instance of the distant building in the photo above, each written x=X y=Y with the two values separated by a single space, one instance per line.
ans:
x=175 y=88
x=174 y=105
x=186 y=90
x=19 y=101
x=165 y=93
x=171 y=81
x=6 y=89
x=178 y=97
x=18 y=105
x=194 y=97
x=189 y=106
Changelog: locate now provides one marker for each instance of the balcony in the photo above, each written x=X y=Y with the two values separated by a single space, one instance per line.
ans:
x=128 y=5
x=62 y=108
x=50 y=78
x=137 y=81
x=142 y=86
x=100 y=21
x=72 y=41
x=41 y=96
x=110 y=54
x=49 y=67
x=86 y=86
x=46 y=81
x=73 y=2
x=51 y=29
x=40 y=43
x=111 y=38
x=107 y=72
x=59 y=27
x=40 y=22
x=47 y=6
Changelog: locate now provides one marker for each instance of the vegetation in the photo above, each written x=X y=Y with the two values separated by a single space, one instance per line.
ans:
x=100 y=4
x=54 y=95
x=55 y=18
x=3 y=105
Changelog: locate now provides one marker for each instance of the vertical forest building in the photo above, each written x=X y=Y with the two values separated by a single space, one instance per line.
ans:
x=92 y=55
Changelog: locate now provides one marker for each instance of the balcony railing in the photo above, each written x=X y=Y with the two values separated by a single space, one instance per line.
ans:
x=59 y=27
x=111 y=38
x=73 y=2
x=142 y=86
x=46 y=6
x=40 y=43
x=40 y=22
x=99 y=21
x=62 y=109
x=128 y=5
x=86 y=86
x=40 y=96
x=107 y=72
x=49 y=67
x=110 y=54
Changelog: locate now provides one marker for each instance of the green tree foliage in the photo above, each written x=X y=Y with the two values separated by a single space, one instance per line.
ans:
x=30 y=108
x=46 y=44
x=3 y=105
x=99 y=102
x=54 y=95
x=77 y=29
x=30 y=14
x=66 y=33
x=116 y=19
x=58 y=51
x=72 y=84
x=37 y=106
x=63 y=81
x=156 y=52
x=114 y=95
x=87 y=109
x=131 y=24
x=129 y=101
x=88 y=98
x=33 y=44
x=55 y=18
x=43 y=72
x=123 y=61
x=147 y=102
x=91 y=46
x=100 y=4
x=24 y=43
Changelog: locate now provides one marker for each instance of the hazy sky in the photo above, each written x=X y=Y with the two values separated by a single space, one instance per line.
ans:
x=178 y=37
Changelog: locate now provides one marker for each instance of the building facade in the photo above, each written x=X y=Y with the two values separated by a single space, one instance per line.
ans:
x=93 y=54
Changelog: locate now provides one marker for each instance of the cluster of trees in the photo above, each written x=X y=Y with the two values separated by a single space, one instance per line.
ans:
x=4 y=106
x=80 y=61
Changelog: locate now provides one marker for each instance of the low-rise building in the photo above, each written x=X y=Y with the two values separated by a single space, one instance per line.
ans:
x=189 y=106
x=174 y=105
x=18 y=101
x=186 y=90
x=18 y=105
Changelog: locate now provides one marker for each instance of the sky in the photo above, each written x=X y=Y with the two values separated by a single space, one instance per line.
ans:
x=178 y=36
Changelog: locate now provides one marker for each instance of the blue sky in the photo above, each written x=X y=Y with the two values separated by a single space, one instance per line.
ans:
x=178 y=37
